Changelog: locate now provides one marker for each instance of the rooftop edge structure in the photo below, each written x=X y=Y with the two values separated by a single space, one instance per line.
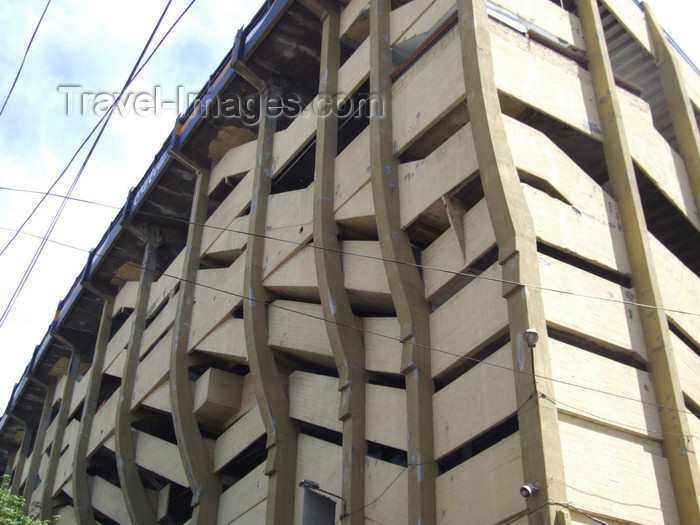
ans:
x=425 y=262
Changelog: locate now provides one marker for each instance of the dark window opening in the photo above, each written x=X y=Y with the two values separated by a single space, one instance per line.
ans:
x=245 y=462
x=386 y=379
x=353 y=116
x=154 y=314
x=692 y=406
x=465 y=365
x=470 y=192
x=102 y=519
x=407 y=54
x=78 y=414
x=156 y=342
x=479 y=444
x=594 y=348
x=103 y=464
x=118 y=320
x=683 y=337
x=299 y=173
x=108 y=387
x=576 y=262
x=387 y=454
x=292 y=362
x=322 y=433
x=459 y=282
x=349 y=46
x=156 y=424
x=568 y=5
x=668 y=224
x=542 y=185
x=586 y=152
x=222 y=191
x=179 y=505
x=435 y=136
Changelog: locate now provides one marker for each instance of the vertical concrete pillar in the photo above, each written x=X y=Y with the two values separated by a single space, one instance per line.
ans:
x=514 y=229
x=46 y=501
x=137 y=503
x=81 y=483
x=662 y=362
x=205 y=485
x=685 y=125
x=407 y=290
x=346 y=342
x=35 y=460
x=282 y=432
x=24 y=451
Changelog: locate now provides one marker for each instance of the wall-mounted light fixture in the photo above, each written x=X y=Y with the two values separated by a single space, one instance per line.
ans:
x=531 y=337
x=310 y=484
x=529 y=489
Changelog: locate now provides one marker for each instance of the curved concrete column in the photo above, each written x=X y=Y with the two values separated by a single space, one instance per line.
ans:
x=405 y=283
x=515 y=234
x=46 y=501
x=81 y=483
x=346 y=342
x=685 y=125
x=199 y=469
x=35 y=460
x=137 y=503
x=272 y=399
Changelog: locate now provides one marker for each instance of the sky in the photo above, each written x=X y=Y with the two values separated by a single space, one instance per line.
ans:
x=92 y=47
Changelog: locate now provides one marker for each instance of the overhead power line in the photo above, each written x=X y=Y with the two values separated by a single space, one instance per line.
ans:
x=57 y=216
x=365 y=256
x=26 y=52
x=70 y=162
x=534 y=395
x=386 y=336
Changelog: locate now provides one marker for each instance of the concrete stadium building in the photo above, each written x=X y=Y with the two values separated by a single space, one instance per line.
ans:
x=426 y=262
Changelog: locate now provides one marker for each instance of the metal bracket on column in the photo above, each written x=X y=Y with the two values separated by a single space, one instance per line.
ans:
x=85 y=279
x=185 y=161
x=241 y=67
x=124 y=219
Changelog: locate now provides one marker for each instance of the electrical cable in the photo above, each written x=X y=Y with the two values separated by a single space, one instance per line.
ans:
x=372 y=257
x=67 y=197
x=26 y=52
x=58 y=214
x=534 y=394
x=596 y=520
x=397 y=339
x=380 y=496
x=36 y=207
x=94 y=129
x=598 y=417
x=40 y=237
